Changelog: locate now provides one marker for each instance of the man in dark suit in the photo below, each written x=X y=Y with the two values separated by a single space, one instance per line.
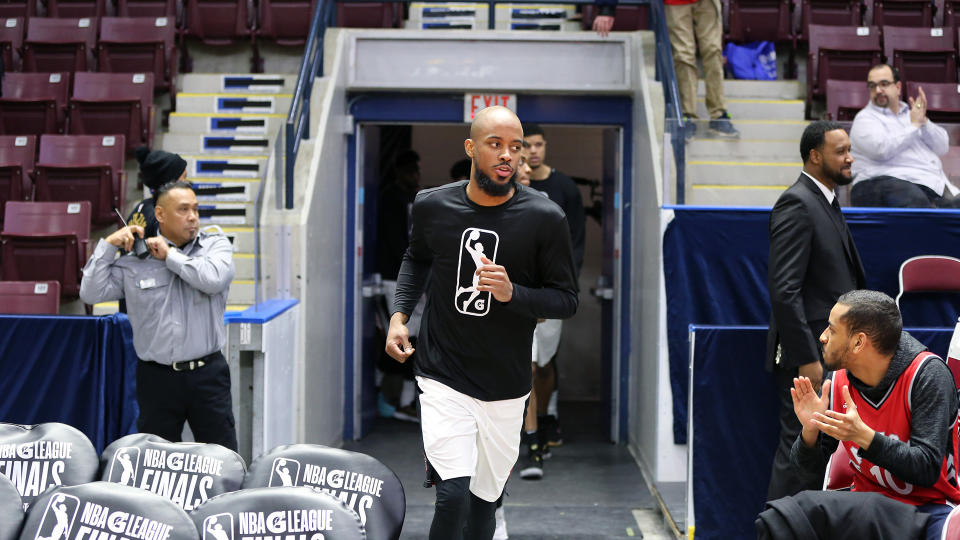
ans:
x=812 y=262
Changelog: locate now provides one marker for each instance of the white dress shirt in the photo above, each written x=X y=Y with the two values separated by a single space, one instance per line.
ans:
x=827 y=192
x=884 y=144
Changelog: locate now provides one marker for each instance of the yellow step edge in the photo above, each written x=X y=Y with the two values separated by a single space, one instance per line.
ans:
x=747 y=163
x=222 y=156
x=208 y=202
x=238 y=229
x=723 y=186
x=251 y=255
x=749 y=100
x=723 y=139
x=207 y=179
x=238 y=307
x=243 y=282
x=227 y=115
x=223 y=94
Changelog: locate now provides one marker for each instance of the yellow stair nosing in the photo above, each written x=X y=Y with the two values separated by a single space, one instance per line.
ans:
x=747 y=163
x=737 y=186
x=238 y=229
x=207 y=179
x=228 y=115
x=230 y=156
x=753 y=100
x=230 y=95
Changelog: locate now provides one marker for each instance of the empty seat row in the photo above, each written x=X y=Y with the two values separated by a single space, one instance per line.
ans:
x=45 y=241
x=97 y=104
x=87 y=8
x=847 y=54
x=787 y=20
x=68 y=168
x=119 y=44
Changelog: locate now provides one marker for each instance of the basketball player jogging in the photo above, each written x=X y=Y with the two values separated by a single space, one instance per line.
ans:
x=473 y=368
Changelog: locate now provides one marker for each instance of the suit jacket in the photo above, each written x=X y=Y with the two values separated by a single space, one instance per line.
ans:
x=813 y=260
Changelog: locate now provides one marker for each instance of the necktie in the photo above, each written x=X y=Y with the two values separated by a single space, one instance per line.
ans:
x=836 y=205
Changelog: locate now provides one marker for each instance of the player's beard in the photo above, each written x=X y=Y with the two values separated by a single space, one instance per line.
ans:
x=492 y=187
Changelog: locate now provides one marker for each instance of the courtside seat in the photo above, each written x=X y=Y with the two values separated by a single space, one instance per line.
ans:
x=45 y=241
x=827 y=13
x=921 y=54
x=34 y=103
x=59 y=44
x=16 y=168
x=845 y=99
x=17 y=8
x=30 y=297
x=110 y=103
x=843 y=53
x=219 y=22
x=285 y=22
x=627 y=18
x=943 y=100
x=917 y=13
x=368 y=15
x=140 y=45
x=11 y=41
x=83 y=168
x=76 y=8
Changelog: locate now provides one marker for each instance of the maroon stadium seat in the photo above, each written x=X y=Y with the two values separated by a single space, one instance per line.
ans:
x=75 y=8
x=139 y=45
x=951 y=14
x=828 y=13
x=760 y=20
x=34 y=103
x=367 y=15
x=219 y=22
x=59 y=44
x=30 y=297
x=916 y=13
x=840 y=52
x=148 y=8
x=45 y=241
x=16 y=167
x=845 y=99
x=627 y=18
x=921 y=54
x=82 y=168
x=943 y=100
x=285 y=22
x=17 y=8
x=110 y=103
x=11 y=40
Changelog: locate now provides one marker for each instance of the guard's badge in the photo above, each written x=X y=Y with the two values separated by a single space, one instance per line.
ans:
x=138 y=219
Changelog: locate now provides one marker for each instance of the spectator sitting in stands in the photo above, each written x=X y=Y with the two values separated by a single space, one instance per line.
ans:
x=896 y=149
x=891 y=403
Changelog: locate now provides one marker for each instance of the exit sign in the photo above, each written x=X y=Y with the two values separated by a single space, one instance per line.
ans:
x=474 y=103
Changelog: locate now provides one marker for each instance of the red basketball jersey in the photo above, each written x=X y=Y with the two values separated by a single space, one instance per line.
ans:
x=891 y=417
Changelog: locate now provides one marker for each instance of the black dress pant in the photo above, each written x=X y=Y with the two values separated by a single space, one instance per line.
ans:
x=168 y=398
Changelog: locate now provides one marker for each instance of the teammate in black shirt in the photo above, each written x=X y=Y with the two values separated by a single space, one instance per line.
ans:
x=499 y=258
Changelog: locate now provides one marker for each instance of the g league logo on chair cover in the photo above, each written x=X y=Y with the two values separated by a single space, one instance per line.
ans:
x=218 y=527
x=474 y=244
x=123 y=468
x=58 y=517
x=285 y=472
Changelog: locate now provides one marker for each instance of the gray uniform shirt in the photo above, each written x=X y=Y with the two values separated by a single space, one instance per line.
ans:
x=175 y=306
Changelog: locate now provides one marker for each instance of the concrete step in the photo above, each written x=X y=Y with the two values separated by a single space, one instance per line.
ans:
x=242 y=190
x=213 y=123
x=742 y=173
x=238 y=83
x=242 y=238
x=244 y=266
x=717 y=195
x=233 y=103
x=733 y=89
x=108 y=308
x=780 y=130
x=217 y=143
x=745 y=149
x=748 y=109
x=226 y=213
x=221 y=166
x=242 y=291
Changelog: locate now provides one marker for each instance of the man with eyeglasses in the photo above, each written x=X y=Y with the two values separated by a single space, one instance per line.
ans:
x=897 y=149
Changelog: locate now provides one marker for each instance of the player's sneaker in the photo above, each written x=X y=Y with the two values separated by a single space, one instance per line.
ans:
x=549 y=431
x=501 y=531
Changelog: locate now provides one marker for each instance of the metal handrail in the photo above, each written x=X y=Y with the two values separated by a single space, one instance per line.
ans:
x=298 y=120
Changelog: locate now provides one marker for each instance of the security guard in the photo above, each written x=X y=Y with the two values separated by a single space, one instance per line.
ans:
x=176 y=299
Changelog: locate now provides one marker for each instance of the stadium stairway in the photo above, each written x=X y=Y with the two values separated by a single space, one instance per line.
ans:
x=225 y=126
x=755 y=169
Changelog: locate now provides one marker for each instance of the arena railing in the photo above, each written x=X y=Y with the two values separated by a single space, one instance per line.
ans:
x=298 y=120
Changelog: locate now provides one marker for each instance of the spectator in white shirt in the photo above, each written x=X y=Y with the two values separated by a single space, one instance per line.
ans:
x=896 y=149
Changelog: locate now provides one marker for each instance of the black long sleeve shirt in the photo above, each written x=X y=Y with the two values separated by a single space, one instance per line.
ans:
x=933 y=405
x=564 y=191
x=471 y=342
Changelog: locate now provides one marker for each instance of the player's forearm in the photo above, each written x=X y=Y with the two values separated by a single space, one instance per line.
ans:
x=545 y=303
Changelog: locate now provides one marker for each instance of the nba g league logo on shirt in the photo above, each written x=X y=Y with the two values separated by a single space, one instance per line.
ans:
x=95 y=522
x=35 y=466
x=300 y=524
x=474 y=244
x=356 y=490
x=185 y=478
